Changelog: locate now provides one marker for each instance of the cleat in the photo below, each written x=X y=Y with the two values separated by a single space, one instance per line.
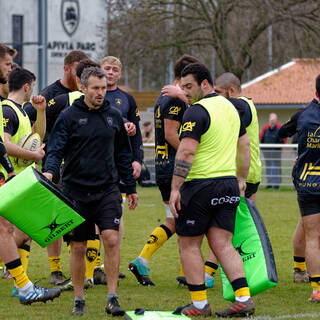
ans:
x=67 y=285
x=300 y=276
x=6 y=274
x=141 y=272
x=39 y=294
x=15 y=292
x=238 y=309
x=99 y=277
x=88 y=284
x=209 y=283
x=114 y=308
x=121 y=275
x=79 y=308
x=315 y=297
x=56 y=278
x=182 y=281
x=191 y=311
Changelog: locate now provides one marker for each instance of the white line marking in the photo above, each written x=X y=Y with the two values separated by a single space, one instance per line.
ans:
x=287 y=316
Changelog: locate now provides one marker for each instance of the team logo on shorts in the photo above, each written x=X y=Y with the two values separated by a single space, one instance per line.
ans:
x=83 y=121
x=116 y=220
x=188 y=126
x=191 y=222
x=91 y=254
x=70 y=16
x=152 y=239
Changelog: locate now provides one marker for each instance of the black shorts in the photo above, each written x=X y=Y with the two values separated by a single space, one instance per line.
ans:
x=309 y=204
x=208 y=203
x=251 y=189
x=164 y=185
x=102 y=208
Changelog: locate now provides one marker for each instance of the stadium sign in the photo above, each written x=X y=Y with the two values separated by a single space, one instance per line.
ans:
x=70 y=16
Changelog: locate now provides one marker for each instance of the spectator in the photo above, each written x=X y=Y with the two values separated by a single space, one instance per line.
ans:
x=269 y=134
x=147 y=132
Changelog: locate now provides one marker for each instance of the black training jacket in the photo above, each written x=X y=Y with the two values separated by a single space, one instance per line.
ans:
x=95 y=148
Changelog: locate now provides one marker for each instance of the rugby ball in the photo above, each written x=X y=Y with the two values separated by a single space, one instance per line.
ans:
x=30 y=142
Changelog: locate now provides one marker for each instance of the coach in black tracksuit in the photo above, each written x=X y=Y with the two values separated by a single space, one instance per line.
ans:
x=91 y=138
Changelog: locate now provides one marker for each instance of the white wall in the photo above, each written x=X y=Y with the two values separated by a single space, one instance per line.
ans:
x=86 y=37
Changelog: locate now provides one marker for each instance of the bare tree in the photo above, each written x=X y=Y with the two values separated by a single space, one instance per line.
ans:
x=232 y=27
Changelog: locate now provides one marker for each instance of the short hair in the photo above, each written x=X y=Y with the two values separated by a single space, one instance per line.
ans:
x=199 y=71
x=318 y=84
x=228 y=80
x=6 y=50
x=74 y=56
x=91 y=71
x=112 y=60
x=86 y=63
x=18 y=77
x=182 y=62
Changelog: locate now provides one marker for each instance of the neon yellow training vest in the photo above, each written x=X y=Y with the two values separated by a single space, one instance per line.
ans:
x=74 y=96
x=216 y=153
x=1 y=122
x=23 y=129
x=254 y=175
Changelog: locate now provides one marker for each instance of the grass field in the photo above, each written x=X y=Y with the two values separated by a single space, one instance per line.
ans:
x=286 y=301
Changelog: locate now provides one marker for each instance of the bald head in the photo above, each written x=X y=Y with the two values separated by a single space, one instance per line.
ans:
x=273 y=119
x=228 y=85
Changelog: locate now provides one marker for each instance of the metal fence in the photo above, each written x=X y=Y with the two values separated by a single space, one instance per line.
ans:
x=277 y=161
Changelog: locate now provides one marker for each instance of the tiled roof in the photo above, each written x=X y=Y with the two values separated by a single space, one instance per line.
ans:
x=292 y=83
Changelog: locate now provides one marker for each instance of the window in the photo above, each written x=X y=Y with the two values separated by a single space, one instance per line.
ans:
x=17 y=38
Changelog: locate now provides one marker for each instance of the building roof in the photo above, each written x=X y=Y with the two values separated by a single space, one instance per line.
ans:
x=293 y=83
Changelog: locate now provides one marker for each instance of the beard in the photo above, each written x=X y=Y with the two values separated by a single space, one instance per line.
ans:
x=3 y=79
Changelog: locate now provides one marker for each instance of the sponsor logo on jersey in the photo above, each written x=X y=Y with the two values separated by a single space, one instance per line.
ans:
x=174 y=110
x=5 y=121
x=51 y=102
x=188 y=126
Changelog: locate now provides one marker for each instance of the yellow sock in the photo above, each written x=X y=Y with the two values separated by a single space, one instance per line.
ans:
x=16 y=270
x=98 y=260
x=181 y=270
x=242 y=292
x=158 y=237
x=55 y=264
x=300 y=265
x=91 y=256
x=315 y=283
x=210 y=268
x=24 y=252
x=198 y=292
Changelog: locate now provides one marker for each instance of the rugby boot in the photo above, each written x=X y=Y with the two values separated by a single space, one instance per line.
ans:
x=237 y=309
x=182 y=281
x=191 y=311
x=39 y=294
x=315 y=297
x=141 y=272
x=113 y=307
x=300 y=276
x=56 y=278
x=79 y=308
